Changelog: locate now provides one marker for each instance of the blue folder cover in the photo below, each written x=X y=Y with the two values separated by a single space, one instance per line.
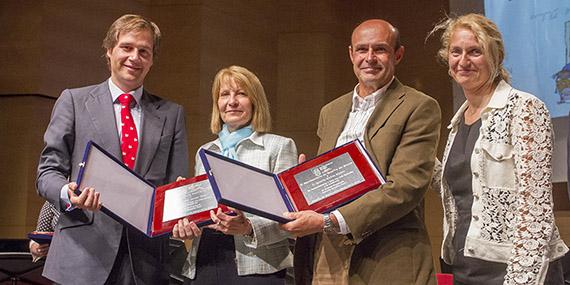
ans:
x=122 y=188
x=223 y=189
x=269 y=195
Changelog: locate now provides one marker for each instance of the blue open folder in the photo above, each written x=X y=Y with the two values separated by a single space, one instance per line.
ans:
x=321 y=184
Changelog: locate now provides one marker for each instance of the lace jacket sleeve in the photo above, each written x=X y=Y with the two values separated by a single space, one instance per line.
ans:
x=534 y=221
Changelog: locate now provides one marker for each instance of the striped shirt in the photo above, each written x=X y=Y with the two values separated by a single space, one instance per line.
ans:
x=362 y=109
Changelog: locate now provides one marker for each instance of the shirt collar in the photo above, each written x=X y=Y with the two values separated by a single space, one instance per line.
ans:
x=500 y=96
x=370 y=99
x=457 y=117
x=116 y=92
x=499 y=100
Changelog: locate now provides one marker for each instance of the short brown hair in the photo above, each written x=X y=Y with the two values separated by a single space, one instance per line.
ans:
x=127 y=23
x=261 y=118
x=486 y=33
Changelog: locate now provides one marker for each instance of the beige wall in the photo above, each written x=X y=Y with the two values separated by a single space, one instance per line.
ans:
x=20 y=145
x=297 y=48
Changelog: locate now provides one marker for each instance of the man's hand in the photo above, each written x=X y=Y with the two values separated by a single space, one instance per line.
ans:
x=302 y=158
x=304 y=223
x=231 y=225
x=88 y=199
x=185 y=229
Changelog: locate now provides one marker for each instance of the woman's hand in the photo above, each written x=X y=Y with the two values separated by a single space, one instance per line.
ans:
x=231 y=225
x=185 y=229
x=38 y=250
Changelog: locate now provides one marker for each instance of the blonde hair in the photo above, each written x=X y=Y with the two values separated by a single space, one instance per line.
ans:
x=128 y=23
x=486 y=33
x=260 y=118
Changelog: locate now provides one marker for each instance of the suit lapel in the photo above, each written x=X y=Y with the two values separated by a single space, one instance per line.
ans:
x=336 y=122
x=99 y=105
x=152 y=125
x=384 y=109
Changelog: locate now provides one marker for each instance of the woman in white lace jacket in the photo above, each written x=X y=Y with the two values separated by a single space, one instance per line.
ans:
x=495 y=175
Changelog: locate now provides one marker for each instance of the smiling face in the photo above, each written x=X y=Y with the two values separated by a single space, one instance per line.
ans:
x=373 y=55
x=468 y=64
x=234 y=105
x=131 y=59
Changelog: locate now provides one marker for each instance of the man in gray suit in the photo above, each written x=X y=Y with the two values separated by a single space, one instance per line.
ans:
x=90 y=247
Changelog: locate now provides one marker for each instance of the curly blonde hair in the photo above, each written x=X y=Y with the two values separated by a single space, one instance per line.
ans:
x=486 y=33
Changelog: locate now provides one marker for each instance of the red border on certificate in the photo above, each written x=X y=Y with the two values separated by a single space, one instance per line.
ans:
x=159 y=227
x=371 y=180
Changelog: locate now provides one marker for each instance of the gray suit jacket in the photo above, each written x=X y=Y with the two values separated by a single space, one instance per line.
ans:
x=85 y=243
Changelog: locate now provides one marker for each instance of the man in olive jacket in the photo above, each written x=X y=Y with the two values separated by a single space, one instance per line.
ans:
x=379 y=238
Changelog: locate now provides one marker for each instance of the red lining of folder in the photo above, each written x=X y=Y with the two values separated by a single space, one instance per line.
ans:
x=298 y=199
x=158 y=227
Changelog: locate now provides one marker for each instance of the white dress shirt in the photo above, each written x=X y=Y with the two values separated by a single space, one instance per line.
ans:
x=136 y=112
x=362 y=109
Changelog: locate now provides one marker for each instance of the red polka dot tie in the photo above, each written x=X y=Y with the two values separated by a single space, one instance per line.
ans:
x=129 y=136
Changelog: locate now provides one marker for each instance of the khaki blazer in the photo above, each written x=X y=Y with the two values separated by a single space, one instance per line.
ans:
x=388 y=243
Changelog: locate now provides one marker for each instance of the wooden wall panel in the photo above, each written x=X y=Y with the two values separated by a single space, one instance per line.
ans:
x=299 y=50
x=22 y=123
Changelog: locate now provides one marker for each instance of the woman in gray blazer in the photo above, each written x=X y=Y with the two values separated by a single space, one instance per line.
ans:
x=244 y=248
